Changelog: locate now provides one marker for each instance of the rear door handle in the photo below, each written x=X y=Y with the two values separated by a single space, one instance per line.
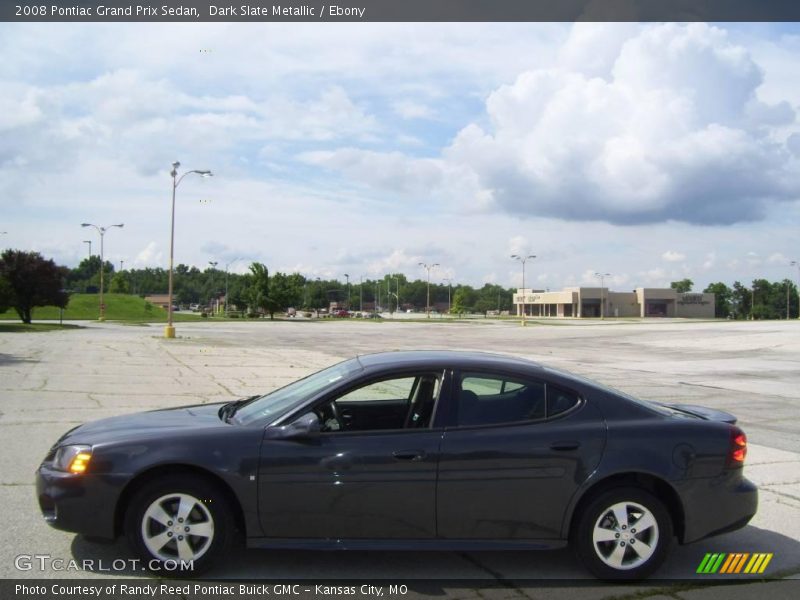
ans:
x=414 y=455
x=566 y=445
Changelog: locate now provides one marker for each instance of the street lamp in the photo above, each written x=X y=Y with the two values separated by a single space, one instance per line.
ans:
x=397 y=294
x=523 y=260
x=226 y=282
x=795 y=263
x=602 y=277
x=102 y=232
x=169 y=330
x=361 y=294
x=428 y=268
x=90 y=246
x=347 y=277
x=449 y=289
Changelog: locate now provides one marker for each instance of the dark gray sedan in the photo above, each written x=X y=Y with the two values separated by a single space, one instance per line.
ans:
x=408 y=450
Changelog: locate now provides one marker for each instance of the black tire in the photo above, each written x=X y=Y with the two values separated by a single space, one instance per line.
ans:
x=619 y=557
x=188 y=502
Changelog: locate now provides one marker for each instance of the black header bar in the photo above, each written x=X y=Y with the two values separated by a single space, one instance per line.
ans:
x=265 y=11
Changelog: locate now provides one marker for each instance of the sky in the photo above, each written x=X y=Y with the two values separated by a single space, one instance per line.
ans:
x=653 y=152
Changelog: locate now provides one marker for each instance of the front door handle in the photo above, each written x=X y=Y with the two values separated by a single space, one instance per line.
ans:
x=413 y=455
x=565 y=445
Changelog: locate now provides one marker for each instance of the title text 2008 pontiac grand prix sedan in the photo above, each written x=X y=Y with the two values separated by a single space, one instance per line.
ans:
x=409 y=450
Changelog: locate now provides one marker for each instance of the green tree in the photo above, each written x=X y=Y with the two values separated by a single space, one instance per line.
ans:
x=723 y=296
x=741 y=301
x=258 y=290
x=34 y=281
x=6 y=294
x=283 y=291
x=682 y=286
x=464 y=299
x=119 y=284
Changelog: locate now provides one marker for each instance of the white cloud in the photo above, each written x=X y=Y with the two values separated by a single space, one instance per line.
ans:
x=777 y=258
x=150 y=255
x=519 y=245
x=392 y=171
x=672 y=256
x=409 y=109
x=666 y=135
x=398 y=261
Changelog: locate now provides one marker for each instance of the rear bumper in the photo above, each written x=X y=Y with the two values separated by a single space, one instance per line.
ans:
x=78 y=503
x=717 y=505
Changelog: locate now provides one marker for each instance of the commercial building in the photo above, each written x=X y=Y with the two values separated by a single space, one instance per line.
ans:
x=596 y=302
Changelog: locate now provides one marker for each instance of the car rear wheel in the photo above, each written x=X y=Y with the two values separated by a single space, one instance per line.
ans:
x=623 y=533
x=179 y=525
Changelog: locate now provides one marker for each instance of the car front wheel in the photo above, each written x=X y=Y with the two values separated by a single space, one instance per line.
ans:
x=179 y=525
x=623 y=533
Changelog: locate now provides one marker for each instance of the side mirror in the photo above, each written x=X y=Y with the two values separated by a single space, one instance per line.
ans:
x=305 y=426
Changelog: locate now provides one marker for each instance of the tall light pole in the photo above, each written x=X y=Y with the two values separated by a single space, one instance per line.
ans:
x=602 y=277
x=213 y=264
x=121 y=263
x=347 y=277
x=361 y=294
x=795 y=263
x=226 y=282
x=90 y=246
x=169 y=330
x=449 y=289
x=397 y=294
x=102 y=232
x=428 y=268
x=523 y=259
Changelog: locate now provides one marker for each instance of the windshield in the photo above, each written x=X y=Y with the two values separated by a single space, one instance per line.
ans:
x=277 y=402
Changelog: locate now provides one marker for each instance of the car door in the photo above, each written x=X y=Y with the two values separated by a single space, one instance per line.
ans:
x=515 y=451
x=371 y=472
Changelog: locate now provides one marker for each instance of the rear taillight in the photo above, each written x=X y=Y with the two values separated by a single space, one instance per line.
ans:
x=738 y=448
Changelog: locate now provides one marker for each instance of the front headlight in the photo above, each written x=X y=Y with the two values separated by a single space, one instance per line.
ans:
x=72 y=459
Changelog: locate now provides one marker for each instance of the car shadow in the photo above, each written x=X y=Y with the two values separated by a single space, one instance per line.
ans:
x=10 y=359
x=440 y=570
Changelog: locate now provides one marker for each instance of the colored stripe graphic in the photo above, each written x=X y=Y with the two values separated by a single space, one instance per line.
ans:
x=711 y=562
x=733 y=563
x=758 y=563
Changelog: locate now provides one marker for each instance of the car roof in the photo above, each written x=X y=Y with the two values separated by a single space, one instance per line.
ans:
x=451 y=358
x=469 y=359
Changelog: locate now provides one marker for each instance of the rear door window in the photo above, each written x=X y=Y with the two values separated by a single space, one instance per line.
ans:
x=485 y=399
x=490 y=399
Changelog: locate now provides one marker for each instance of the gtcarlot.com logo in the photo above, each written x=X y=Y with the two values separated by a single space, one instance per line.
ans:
x=734 y=563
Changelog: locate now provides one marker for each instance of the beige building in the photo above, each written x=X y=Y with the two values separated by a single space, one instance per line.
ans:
x=601 y=302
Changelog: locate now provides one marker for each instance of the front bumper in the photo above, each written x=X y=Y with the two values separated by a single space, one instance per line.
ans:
x=717 y=505
x=83 y=504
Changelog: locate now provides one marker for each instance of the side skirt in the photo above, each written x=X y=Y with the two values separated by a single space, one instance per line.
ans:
x=387 y=544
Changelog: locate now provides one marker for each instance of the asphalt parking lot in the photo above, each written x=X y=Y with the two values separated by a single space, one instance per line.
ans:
x=52 y=381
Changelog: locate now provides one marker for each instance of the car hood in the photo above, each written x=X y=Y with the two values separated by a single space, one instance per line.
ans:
x=154 y=422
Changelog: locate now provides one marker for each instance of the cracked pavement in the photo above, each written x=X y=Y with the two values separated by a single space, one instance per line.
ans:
x=52 y=381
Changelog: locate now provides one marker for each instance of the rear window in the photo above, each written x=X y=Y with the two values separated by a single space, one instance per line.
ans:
x=490 y=399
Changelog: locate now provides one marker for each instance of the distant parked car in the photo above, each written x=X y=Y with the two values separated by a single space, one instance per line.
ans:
x=341 y=313
x=402 y=450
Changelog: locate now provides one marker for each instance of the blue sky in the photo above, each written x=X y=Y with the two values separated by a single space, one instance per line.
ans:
x=653 y=152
